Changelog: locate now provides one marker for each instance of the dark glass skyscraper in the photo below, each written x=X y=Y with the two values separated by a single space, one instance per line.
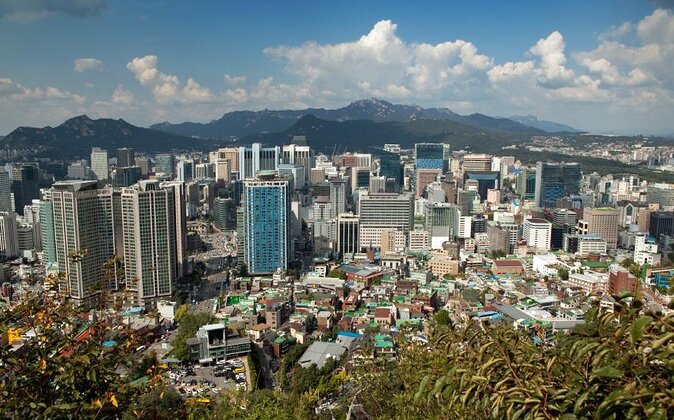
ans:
x=390 y=167
x=25 y=185
x=431 y=156
x=556 y=180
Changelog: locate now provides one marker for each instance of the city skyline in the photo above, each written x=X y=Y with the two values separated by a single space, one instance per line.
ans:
x=600 y=67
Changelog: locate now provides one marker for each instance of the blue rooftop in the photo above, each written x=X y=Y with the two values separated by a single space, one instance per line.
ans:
x=349 y=334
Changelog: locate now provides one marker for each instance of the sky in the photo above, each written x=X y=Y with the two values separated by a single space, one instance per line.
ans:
x=603 y=66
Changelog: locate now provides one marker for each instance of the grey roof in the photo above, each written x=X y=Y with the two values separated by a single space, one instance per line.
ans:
x=512 y=312
x=318 y=352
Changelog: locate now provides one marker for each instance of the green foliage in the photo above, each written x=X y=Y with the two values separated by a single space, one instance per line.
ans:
x=627 y=263
x=619 y=365
x=442 y=318
x=563 y=274
x=497 y=254
x=337 y=274
x=187 y=328
x=181 y=312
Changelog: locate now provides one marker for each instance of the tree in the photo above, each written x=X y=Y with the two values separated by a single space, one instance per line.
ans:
x=181 y=312
x=563 y=274
x=442 y=318
x=627 y=263
x=187 y=328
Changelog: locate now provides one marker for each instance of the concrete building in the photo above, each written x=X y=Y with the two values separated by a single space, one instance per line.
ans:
x=537 y=233
x=383 y=212
x=477 y=163
x=9 y=242
x=348 y=226
x=603 y=221
x=257 y=158
x=299 y=155
x=646 y=250
x=125 y=157
x=99 y=163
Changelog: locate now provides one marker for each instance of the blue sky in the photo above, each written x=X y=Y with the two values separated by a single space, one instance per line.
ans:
x=598 y=65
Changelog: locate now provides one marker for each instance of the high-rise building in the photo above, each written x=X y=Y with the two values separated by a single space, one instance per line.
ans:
x=477 y=163
x=603 y=221
x=267 y=223
x=257 y=158
x=390 y=167
x=5 y=191
x=144 y=164
x=47 y=229
x=84 y=237
x=180 y=213
x=555 y=181
x=149 y=231
x=661 y=223
x=383 y=212
x=127 y=176
x=662 y=194
x=537 y=233
x=185 y=170
x=294 y=171
x=425 y=177
x=223 y=213
x=165 y=163
x=299 y=155
x=125 y=157
x=563 y=222
x=486 y=180
x=9 y=238
x=25 y=185
x=99 y=163
x=204 y=171
x=347 y=233
x=431 y=156
x=526 y=184
x=360 y=178
x=338 y=195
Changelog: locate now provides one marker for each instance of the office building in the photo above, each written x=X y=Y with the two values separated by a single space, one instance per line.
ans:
x=555 y=181
x=620 y=280
x=150 y=236
x=537 y=233
x=185 y=170
x=299 y=155
x=84 y=237
x=390 y=167
x=257 y=158
x=661 y=194
x=294 y=172
x=440 y=223
x=25 y=185
x=477 y=163
x=526 y=184
x=47 y=229
x=661 y=223
x=99 y=163
x=223 y=213
x=6 y=204
x=486 y=180
x=425 y=177
x=431 y=156
x=165 y=163
x=144 y=164
x=338 y=195
x=384 y=212
x=360 y=178
x=646 y=250
x=347 y=233
x=9 y=239
x=125 y=157
x=267 y=223
x=603 y=221
x=377 y=184
x=180 y=214
x=204 y=171
x=127 y=176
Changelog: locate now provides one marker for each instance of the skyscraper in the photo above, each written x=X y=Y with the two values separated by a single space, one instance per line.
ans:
x=477 y=163
x=661 y=223
x=338 y=195
x=125 y=157
x=257 y=158
x=84 y=237
x=556 y=180
x=149 y=231
x=526 y=184
x=99 y=163
x=347 y=233
x=267 y=223
x=9 y=243
x=47 y=229
x=537 y=233
x=5 y=191
x=185 y=170
x=431 y=156
x=390 y=167
x=25 y=185
x=299 y=155
x=165 y=164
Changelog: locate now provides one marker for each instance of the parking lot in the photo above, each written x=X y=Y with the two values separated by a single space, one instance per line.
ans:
x=208 y=380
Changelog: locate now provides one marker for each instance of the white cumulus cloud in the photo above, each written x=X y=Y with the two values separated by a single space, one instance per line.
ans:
x=87 y=64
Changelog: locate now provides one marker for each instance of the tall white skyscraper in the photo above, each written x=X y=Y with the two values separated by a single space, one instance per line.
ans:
x=149 y=230
x=299 y=155
x=338 y=193
x=99 y=163
x=257 y=158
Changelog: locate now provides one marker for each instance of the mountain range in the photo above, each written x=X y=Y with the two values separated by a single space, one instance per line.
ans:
x=549 y=126
x=245 y=123
x=360 y=125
